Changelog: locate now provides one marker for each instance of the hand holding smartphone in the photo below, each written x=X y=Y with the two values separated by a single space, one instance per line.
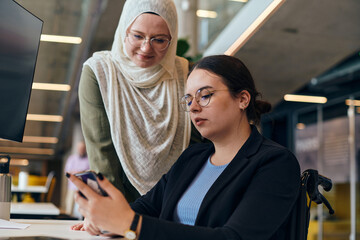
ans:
x=89 y=177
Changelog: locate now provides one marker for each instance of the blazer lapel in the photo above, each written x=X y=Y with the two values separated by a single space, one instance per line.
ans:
x=234 y=168
x=189 y=172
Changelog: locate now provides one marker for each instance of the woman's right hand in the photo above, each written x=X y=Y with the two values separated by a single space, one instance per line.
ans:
x=78 y=227
x=86 y=226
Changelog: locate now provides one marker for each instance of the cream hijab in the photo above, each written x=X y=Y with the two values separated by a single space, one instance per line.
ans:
x=148 y=128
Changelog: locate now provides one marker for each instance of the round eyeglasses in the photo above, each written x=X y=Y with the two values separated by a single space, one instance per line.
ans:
x=202 y=97
x=157 y=43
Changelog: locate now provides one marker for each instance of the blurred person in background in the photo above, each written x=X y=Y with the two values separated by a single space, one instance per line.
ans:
x=77 y=162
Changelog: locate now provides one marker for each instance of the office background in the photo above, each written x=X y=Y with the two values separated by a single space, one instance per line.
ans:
x=291 y=47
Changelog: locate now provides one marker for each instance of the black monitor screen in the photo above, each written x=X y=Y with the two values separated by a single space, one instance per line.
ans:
x=20 y=33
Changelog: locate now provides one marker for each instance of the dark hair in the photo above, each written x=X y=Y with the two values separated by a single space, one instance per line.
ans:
x=237 y=78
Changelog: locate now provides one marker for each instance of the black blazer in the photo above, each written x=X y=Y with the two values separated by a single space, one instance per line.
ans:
x=251 y=199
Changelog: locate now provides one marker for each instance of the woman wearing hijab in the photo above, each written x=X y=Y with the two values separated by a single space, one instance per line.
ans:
x=241 y=186
x=129 y=99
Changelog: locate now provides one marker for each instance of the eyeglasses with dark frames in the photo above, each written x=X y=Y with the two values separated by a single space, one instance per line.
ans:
x=202 y=97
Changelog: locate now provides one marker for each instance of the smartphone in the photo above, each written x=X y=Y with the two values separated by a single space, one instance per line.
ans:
x=89 y=177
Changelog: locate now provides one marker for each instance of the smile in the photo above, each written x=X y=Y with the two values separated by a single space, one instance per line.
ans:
x=144 y=57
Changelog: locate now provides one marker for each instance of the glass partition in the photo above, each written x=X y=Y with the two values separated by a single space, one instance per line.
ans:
x=213 y=16
x=327 y=139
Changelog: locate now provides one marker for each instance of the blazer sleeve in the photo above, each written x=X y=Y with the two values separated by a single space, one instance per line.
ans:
x=269 y=198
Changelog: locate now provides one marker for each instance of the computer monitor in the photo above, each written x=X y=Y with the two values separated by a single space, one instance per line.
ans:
x=20 y=33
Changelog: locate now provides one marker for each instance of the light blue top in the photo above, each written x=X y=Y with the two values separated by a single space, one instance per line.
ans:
x=189 y=204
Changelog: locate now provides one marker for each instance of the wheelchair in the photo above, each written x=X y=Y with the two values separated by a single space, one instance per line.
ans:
x=309 y=192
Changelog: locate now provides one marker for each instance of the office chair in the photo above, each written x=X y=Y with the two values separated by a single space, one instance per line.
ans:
x=48 y=181
x=300 y=217
x=50 y=185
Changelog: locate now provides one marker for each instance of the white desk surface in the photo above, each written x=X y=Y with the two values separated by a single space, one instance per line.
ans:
x=34 y=208
x=48 y=228
x=29 y=189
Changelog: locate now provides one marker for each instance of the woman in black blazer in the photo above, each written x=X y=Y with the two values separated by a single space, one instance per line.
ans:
x=251 y=197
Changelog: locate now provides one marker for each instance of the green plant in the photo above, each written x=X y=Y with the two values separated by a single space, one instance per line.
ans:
x=182 y=47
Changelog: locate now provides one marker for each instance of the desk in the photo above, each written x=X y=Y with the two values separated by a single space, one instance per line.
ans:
x=49 y=228
x=34 y=209
x=37 y=211
x=35 y=190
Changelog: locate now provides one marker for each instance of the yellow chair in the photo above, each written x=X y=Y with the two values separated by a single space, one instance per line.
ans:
x=33 y=180
x=50 y=185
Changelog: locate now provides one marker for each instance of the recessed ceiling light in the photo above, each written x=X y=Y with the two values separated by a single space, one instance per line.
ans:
x=51 y=86
x=60 y=39
x=206 y=14
x=304 y=98
x=300 y=126
x=25 y=150
x=352 y=102
x=44 y=117
x=19 y=162
x=36 y=139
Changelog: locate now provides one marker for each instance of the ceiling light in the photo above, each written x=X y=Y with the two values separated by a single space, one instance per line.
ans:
x=300 y=126
x=51 y=86
x=41 y=151
x=274 y=5
x=44 y=117
x=304 y=98
x=60 y=39
x=243 y=1
x=206 y=14
x=352 y=102
x=36 y=139
x=19 y=162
